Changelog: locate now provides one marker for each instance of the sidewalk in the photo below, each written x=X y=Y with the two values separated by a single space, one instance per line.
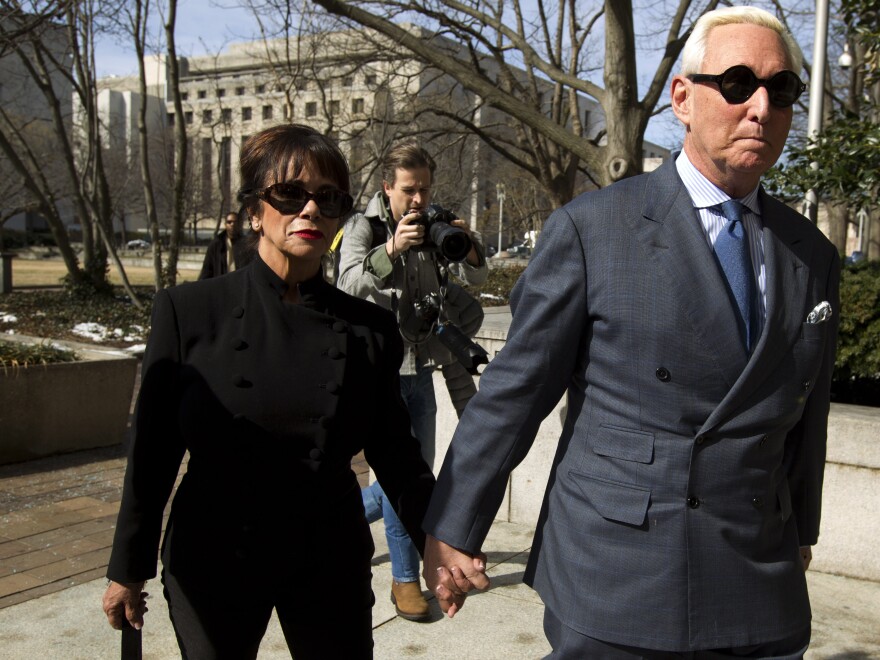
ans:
x=57 y=516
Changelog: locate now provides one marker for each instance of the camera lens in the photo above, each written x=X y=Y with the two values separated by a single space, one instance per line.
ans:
x=453 y=242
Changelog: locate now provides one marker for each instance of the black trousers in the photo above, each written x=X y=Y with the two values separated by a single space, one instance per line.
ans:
x=221 y=596
x=569 y=644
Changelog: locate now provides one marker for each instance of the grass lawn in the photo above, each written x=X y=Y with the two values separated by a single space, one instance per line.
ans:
x=49 y=272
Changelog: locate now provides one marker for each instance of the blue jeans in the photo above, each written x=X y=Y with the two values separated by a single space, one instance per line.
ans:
x=418 y=395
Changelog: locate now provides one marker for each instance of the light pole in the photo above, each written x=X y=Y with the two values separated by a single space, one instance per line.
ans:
x=500 y=194
x=817 y=97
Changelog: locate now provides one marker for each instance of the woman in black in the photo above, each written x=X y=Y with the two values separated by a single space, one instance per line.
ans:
x=272 y=380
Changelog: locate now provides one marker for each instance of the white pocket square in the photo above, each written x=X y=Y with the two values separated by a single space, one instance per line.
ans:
x=820 y=313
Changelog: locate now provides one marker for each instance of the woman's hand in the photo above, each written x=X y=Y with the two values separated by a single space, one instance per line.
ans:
x=125 y=604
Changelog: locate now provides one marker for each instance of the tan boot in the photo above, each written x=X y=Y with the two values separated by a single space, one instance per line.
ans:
x=409 y=601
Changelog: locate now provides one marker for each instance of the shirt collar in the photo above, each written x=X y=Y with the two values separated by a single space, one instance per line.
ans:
x=705 y=194
x=309 y=291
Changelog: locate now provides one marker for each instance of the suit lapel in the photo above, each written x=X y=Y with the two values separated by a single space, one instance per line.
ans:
x=673 y=239
x=787 y=253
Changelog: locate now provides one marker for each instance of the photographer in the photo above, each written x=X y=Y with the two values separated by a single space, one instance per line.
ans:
x=399 y=254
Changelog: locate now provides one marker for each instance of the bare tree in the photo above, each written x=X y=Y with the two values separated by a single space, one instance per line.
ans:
x=532 y=63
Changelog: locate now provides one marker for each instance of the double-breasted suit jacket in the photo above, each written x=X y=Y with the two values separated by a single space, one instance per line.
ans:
x=688 y=472
x=271 y=400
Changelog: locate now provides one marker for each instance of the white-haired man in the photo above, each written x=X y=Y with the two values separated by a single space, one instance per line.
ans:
x=691 y=319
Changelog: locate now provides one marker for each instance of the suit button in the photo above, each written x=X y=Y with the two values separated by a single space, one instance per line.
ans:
x=693 y=502
x=340 y=326
x=316 y=454
x=238 y=344
x=762 y=441
x=334 y=353
x=807 y=384
x=332 y=387
x=663 y=374
x=240 y=381
x=757 y=502
x=237 y=312
x=700 y=439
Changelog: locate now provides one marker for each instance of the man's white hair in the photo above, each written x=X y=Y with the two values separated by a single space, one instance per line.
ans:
x=694 y=51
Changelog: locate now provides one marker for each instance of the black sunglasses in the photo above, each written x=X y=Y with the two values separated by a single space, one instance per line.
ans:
x=291 y=198
x=739 y=82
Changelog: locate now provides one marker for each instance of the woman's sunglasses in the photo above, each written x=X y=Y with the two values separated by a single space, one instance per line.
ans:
x=739 y=82
x=291 y=198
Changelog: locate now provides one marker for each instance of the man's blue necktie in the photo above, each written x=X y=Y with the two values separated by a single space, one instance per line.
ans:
x=732 y=250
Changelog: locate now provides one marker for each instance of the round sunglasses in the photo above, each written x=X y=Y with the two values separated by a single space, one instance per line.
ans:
x=291 y=198
x=739 y=82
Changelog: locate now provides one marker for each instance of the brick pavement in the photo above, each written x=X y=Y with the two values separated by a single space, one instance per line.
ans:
x=57 y=517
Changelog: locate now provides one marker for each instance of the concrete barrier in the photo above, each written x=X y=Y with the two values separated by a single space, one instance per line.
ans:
x=58 y=408
x=850 y=517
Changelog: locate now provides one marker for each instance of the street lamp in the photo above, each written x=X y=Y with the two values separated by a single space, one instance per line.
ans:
x=845 y=60
x=817 y=94
x=500 y=194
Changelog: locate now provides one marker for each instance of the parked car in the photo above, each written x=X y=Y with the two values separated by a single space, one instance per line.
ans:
x=855 y=257
x=138 y=244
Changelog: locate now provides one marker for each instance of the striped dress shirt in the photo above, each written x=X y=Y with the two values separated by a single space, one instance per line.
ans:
x=707 y=197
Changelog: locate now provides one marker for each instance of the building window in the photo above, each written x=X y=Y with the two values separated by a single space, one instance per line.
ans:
x=347 y=81
x=279 y=88
x=207 y=116
x=357 y=106
x=221 y=93
x=170 y=118
x=239 y=91
x=334 y=108
x=188 y=116
x=267 y=112
x=311 y=109
x=184 y=96
x=246 y=114
x=370 y=79
x=259 y=89
x=202 y=93
x=226 y=115
x=301 y=85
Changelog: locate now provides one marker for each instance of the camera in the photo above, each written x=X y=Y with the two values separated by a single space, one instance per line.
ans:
x=452 y=242
x=467 y=352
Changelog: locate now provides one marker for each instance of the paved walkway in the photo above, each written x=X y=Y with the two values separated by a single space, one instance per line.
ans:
x=57 y=516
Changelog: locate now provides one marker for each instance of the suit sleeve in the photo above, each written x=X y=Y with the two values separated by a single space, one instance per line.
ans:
x=391 y=450
x=805 y=445
x=155 y=454
x=518 y=389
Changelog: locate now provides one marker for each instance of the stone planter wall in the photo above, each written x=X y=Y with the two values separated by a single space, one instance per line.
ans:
x=66 y=407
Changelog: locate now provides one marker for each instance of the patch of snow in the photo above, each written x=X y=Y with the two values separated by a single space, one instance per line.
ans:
x=8 y=318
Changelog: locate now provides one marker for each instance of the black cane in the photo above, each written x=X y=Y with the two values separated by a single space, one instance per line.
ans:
x=131 y=644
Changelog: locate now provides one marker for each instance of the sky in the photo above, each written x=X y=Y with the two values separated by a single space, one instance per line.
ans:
x=203 y=27
x=208 y=26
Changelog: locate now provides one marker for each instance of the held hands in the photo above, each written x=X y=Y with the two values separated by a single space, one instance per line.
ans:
x=450 y=573
x=125 y=604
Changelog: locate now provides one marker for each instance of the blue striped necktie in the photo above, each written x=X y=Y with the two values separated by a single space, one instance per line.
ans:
x=732 y=250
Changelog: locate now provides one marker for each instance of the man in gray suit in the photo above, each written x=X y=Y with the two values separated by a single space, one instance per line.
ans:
x=692 y=320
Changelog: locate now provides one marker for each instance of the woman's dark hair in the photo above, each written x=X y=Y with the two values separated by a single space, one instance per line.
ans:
x=267 y=157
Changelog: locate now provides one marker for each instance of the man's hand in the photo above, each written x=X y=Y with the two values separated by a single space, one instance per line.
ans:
x=450 y=573
x=406 y=235
x=125 y=604
x=473 y=258
x=806 y=556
